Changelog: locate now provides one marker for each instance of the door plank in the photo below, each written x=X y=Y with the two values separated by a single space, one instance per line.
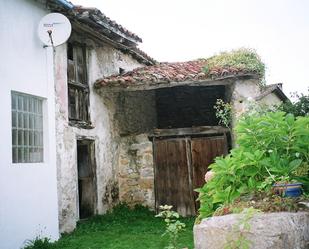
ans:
x=204 y=150
x=172 y=176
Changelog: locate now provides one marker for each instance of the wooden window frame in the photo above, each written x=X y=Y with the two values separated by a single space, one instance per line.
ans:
x=78 y=89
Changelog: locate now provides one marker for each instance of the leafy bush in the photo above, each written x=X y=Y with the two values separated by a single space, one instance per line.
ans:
x=300 y=107
x=270 y=146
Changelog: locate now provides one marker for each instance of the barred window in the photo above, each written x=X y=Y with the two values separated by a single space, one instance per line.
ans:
x=27 y=128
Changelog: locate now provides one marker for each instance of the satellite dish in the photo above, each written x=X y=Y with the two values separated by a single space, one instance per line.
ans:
x=54 y=29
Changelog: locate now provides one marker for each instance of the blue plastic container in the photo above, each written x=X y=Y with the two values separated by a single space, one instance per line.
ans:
x=288 y=190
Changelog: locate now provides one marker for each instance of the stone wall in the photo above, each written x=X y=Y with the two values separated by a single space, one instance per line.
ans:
x=136 y=172
x=267 y=231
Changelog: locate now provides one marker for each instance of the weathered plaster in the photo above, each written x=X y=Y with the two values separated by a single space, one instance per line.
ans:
x=270 y=100
x=136 y=112
x=103 y=60
x=243 y=92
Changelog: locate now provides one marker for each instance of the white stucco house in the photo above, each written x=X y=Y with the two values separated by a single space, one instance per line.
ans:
x=93 y=122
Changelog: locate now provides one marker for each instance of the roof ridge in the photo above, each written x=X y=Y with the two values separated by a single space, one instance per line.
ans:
x=100 y=14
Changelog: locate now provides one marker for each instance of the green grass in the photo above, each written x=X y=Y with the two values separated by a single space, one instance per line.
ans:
x=122 y=229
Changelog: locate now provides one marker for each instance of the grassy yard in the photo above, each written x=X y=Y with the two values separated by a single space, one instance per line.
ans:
x=121 y=229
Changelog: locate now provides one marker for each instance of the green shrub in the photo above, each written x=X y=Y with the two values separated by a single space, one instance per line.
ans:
x=38 y=243
x=300 y=107
x=270 y=146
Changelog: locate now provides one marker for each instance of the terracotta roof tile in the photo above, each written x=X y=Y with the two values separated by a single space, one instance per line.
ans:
x=99 y=22
x=169 y=72
x=101 y=17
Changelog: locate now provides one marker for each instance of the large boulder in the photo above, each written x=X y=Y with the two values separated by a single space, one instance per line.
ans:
x=266 y=231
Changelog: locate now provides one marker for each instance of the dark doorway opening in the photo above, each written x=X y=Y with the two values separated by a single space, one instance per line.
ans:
x=186 y=106
x=87 y=191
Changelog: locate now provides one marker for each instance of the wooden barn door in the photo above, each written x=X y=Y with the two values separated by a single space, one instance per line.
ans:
x=180 y=167
x=173 y=181
x=203 y=152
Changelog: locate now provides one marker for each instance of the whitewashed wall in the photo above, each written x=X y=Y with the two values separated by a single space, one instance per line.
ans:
x=103 y=60
x=270 y=100
x=28 y=192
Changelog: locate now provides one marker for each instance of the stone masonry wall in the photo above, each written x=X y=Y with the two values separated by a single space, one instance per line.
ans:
x=136 y=174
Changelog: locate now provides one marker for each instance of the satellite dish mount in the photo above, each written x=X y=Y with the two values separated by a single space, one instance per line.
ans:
x=54 y=29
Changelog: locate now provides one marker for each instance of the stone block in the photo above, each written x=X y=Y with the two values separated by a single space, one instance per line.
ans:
x=141 y=146
x=124 y=162
x=146 y=183
x=147 y=172
x=267 y=231
x=148 y=159
x=132 y=182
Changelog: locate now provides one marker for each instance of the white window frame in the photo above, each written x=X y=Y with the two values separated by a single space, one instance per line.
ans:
x=27 y=128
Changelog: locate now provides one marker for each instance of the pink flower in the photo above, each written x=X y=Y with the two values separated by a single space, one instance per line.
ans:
x=209 y=175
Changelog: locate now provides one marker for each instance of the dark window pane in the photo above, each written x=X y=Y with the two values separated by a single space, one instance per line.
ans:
x=14 y=137
x=26 y=120
x=14 y=101
x=20 y=155
x=70 y=52
x=31 y=138
x=15 y=155
x=20 y=103
x=71 y=71
x=14 y=119
x=26 y=138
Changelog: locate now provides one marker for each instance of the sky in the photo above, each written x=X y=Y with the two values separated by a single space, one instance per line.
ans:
x=181 y=30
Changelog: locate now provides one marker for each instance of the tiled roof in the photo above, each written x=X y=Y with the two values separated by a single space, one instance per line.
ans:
x=170 y=72
x=273 y=88
x=94 y=19
x=97 y=16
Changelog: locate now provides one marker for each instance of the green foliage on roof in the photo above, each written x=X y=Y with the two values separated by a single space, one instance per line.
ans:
x=243 y=59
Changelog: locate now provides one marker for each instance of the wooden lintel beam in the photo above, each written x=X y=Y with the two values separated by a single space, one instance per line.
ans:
x=190 y=131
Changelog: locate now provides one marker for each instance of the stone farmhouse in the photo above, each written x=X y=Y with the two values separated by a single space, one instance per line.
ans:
x=96 y=121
